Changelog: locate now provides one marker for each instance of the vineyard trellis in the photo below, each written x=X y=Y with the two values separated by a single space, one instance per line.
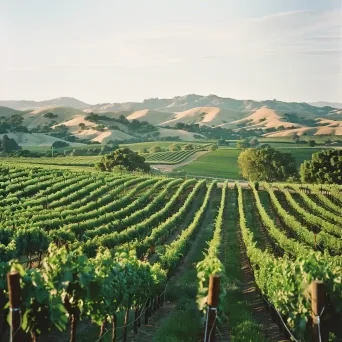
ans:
x=83 y=244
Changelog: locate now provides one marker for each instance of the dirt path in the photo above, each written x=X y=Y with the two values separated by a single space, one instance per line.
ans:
x=260 y=312
x=169 y=168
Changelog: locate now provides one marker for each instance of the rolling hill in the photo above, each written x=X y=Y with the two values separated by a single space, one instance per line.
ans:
x=271 y=118
x=58 y=102
x=7 y=112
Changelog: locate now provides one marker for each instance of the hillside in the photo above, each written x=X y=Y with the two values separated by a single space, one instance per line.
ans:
x=60 y=102
x=176 y=117
x=327 y=104
x=34 y=139
x=7 y=112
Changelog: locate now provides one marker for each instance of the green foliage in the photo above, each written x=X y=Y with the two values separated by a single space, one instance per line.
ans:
x=8 y=145
x=31 y=241
x=174 y=147
x=155 y=149
x=50 y=115
x=325 y=167
x=125 y=158
x=211 y=264
x=284 y=281
x=187 y=147
x=243 y=143
x=266 y=164
x=59 y=144
x=71 y=285
x=176 y=249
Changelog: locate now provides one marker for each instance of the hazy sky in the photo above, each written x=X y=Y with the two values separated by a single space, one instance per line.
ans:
x=128 y=50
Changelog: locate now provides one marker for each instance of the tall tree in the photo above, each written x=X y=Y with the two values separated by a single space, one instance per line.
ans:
x=266 y=164
x=8 y=145
x=324 y=167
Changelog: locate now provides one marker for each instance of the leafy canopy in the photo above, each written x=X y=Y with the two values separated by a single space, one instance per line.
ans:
x=123 y=158
x=324 y=167
x=266 y=164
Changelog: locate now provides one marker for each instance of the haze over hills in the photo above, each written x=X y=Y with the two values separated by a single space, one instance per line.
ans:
x=61 y=102
x=270 y=118
x=330 y=104
x=175 y=104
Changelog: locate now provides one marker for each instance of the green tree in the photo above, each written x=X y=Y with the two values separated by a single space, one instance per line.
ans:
x=324 y=167
x=59 y=143
x=266 y=164
x=312 y=143
x=213 y=147
x=174 y=147
x=8 y=145
x=188 y=147
x=155 y=149
x=123 y=157
x=82 y=126
x=243 y=144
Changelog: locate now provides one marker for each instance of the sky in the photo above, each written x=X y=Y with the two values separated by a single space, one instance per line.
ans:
x=129 y=50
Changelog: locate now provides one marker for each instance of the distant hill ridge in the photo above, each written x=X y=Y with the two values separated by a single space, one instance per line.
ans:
x=275 y=118
x=175 y=104
x=60 y=102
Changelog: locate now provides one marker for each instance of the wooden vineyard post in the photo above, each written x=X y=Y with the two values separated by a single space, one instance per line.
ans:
x=317 y=307
x=125 y=324
x=14 y=292
x=213 y=300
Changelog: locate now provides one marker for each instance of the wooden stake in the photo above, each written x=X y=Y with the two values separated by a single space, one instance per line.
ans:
x=125 y=325
x=14 y=292
x=213 y=300
x=317 y=305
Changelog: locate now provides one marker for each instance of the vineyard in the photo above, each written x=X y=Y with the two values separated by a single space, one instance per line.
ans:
x=168 y=157
x=173 y=157
x=105 y=257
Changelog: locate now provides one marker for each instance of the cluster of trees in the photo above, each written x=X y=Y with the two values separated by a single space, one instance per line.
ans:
x=8 y=145
x=95 y=151
x=269 y=164
x=172 y=148
x=324 y=167
x=13 y=123
x=216 y=132
x=50 y=115
x=123 y=159
x=60 y=144
x=266 y=164
x=135 y=126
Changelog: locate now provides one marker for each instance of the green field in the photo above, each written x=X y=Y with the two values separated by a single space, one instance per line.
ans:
x=223 y=162
x=220 y=164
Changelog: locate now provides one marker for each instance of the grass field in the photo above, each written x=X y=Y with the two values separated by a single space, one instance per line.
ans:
x=135 y=146
x=317 y=138
x=223 y=162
